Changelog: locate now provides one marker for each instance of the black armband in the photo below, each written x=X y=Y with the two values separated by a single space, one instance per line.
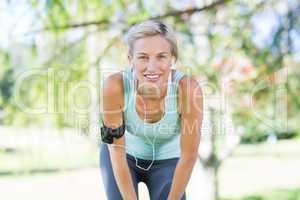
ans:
x=108 y=134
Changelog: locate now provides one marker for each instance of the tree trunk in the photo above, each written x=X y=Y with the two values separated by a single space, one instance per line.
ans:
x=209 y=163
x=210 y=173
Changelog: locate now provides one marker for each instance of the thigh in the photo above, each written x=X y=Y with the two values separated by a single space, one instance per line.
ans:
x=110 y=185
x=160 y=179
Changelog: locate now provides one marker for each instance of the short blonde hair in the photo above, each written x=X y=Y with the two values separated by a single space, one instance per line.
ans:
x=151 y=28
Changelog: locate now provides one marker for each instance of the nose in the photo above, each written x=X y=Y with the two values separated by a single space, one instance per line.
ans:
x=151 y=65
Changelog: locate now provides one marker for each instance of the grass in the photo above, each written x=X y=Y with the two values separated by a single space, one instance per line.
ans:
x=279 y=194
x=45 y=153
x=283 y=148
x=254 y=169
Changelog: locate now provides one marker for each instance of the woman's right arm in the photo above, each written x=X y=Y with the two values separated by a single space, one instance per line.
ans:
x=113 y=118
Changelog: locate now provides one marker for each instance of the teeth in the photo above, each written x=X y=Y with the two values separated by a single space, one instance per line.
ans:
x=152 y=76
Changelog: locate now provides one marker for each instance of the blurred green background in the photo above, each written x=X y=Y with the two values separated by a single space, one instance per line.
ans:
x=54 y=55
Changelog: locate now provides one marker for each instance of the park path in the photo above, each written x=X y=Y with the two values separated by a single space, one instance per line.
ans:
x=68 y=185
x=75 y=185
x=86 y=183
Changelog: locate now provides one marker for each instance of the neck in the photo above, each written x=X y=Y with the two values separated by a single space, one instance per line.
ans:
x=152 y=94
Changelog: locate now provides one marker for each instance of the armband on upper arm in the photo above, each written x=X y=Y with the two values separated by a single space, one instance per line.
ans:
x=108 y=134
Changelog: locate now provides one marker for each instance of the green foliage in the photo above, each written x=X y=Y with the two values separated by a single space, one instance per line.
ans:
x=6 y=87
x=227 y=30
x=258 y=137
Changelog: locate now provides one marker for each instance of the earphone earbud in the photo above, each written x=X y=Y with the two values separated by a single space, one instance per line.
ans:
x=173 y=64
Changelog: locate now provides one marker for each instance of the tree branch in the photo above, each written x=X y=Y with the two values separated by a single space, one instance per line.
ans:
x=105 y=51
x=72 y=26
x=190 y=10
x=105 y=21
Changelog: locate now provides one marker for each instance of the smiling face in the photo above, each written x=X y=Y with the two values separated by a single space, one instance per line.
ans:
x=151 y=59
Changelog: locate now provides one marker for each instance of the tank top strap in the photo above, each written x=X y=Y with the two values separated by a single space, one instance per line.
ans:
x=177 y=76
x=128 y=86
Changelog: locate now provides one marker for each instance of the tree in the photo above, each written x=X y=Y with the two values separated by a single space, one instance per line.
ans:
x=219 y=42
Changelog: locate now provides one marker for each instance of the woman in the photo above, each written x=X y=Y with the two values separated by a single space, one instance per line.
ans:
x=161 y=110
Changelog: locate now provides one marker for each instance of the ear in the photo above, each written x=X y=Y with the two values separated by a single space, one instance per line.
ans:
x=173 y=62
x=130 y=59
x=129 y=56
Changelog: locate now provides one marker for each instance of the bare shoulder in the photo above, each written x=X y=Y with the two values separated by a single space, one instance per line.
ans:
x=188 y=86
x=189 y=93
x=113 y=87
x=113 y=84
x=187 y=83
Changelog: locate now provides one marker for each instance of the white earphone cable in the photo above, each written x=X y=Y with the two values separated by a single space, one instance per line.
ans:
x=154 y=140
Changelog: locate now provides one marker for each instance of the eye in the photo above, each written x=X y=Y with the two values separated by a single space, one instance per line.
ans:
x=162 y=56
x=142 y=57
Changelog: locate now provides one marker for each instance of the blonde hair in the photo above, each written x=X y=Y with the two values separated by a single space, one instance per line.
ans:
x=151 y=28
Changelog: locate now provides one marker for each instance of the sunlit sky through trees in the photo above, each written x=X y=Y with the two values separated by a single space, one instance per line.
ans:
x=19 y=20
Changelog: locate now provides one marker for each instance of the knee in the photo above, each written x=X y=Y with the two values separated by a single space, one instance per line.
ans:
x=166 y=190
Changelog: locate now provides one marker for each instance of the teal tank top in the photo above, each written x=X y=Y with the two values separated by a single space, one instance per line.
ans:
x=152 y=141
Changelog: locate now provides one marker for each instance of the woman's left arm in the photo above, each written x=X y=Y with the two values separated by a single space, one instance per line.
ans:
x=190 y=107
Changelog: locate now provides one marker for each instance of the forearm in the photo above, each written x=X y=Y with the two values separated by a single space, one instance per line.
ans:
x=181 y=178
x=123 y=176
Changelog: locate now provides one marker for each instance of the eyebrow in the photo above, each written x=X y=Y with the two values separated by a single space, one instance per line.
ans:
x=163 y=52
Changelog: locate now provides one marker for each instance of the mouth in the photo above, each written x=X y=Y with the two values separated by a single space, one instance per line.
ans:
x=152 y=77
